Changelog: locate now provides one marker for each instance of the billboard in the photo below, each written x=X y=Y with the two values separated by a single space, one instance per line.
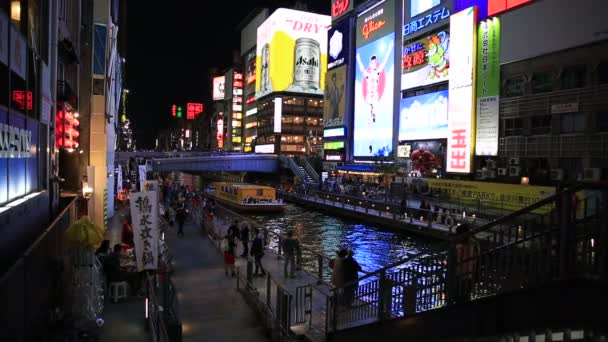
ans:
x=374 y=79
x=498 y=6
x=291 y=53
x=488 y=87
x=426 y=60
x=461 y=124
x=422 y=16
x=340 y=8
x=218 y=87
x=376 y=22
x=338 y=38
x=424 y=117
x=334 y=102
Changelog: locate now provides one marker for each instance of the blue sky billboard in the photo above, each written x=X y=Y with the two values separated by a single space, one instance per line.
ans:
x=424 y=117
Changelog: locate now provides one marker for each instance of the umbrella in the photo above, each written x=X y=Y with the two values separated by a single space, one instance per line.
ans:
x=84 y=233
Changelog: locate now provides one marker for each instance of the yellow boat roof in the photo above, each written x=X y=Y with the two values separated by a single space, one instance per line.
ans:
x=244 y=185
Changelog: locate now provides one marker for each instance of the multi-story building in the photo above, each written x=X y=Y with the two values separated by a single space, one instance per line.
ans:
x=291 y=63
x=554 y=86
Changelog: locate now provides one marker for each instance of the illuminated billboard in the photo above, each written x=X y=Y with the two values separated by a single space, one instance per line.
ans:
x=426 y=60
x=268 y=148
x=218 y=87
x=340 y=8
x=292 y=53
x=461 y=112
x=339 y=38
x=193 y=110
x=374 y=79
x=376 y=22
x=424 y=117
x=334 y=102
x=333 y=132
x=488 y=87
x=498 y=6
x=420 y=6
x=422 y=16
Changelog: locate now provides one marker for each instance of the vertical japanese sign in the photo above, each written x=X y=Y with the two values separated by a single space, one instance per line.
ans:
x=142 y=177
x=461 y=122
x=144 y=211
x=119 y=179
x=488 y=87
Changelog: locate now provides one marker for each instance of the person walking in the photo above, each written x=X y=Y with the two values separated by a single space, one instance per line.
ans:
x=245 y=238
x=290 y=249
x=257 y=251
x=180 y=216
x=229 y=258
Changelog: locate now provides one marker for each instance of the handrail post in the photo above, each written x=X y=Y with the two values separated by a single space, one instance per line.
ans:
x=603 y=235
x=409 y=298
x=565 y=206
x=268 y=288
x=451 y=286
x=384 y=296
x=320 y=269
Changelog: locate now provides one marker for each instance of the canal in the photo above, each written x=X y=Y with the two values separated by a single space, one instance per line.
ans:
x=374 y=247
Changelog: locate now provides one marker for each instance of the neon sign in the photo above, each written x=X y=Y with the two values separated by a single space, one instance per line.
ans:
x=340 y=7
x=193 y=110
x=498 y=6
x=413 y=55
x=425 y=21
x=371 y=26
x=20 y=98
x=66 y=132
x=174 y=110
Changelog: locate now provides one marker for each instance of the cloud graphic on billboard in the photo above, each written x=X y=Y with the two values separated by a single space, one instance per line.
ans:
x=335 y=44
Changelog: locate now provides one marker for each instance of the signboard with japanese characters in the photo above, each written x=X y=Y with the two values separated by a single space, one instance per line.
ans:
x=422 y=16
x=375 y=23
x=461 y=112
x=488 y=87
x=339 y=39
x=144 y=212
x=340 y=7
x=426 y=60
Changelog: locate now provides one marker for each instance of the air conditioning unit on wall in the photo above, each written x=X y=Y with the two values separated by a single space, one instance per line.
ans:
x=592 y=174
x=514 y=171
x=502 y=171
x=480 y=174
x=513 y=161
x=556 y=174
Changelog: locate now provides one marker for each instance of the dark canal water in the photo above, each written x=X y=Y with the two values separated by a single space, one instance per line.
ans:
x=374 y=246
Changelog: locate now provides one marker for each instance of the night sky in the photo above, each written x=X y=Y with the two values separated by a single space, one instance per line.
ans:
x=170 y=48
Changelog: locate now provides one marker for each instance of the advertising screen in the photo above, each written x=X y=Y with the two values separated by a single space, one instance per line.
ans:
x=461 y=112
x=373 y=123
x=334 y=102
x=333 y=132
x=498 y=6
x=426 y=60
x=340 y=8
x=376 y=22
x=268 y=148
x=292 y=53
x=488 y=87
x=420 y=6
x=218 y=87
x=338 y=37
x=424 y=117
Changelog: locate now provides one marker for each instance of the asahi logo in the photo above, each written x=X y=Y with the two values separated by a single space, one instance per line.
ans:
x=14 y=142
x=307 y=61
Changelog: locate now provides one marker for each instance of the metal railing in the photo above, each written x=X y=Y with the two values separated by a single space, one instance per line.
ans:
x=155 y=313
x=310 y=170
x=289 y=163
x=513 y=252
x=31 y=289
x=276 y=305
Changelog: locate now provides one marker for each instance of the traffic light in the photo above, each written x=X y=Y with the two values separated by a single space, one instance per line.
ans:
x=174 y=110
x=179 y=111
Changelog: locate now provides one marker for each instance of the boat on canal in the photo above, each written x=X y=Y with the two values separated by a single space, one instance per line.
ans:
x=244 y=197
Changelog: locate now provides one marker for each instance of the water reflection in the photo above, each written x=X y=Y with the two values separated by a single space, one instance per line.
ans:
x=374 y=247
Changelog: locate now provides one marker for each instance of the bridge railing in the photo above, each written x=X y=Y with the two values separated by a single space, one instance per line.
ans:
x=513 y=252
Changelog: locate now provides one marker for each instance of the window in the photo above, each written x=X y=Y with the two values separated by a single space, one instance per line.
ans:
x=542 y=82
x=513 y=126
x=574 y=77
x=602 y=121
x=514 y=87
x=573 y=123
x=541 y=124
x=602 y=72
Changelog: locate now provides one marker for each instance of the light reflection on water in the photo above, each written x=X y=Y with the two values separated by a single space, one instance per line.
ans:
x=374 y=247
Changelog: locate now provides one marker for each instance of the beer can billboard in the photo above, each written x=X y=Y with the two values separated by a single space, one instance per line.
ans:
x=291 y=53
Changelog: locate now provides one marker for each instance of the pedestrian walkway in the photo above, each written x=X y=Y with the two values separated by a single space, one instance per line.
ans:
x=210 y=307
x=124 y=321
